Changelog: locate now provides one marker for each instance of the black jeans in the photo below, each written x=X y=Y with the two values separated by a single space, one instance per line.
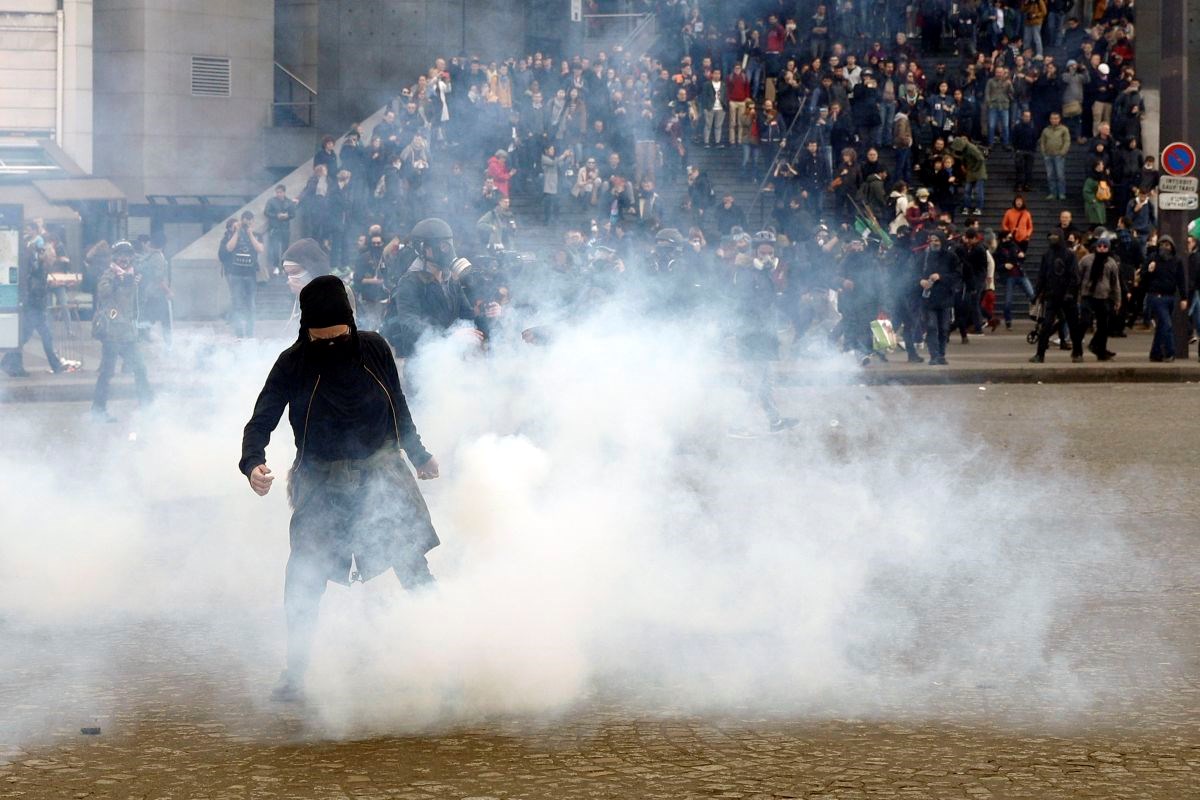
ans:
x=1101 y=313
x=1065 y=308
x=1024 y=167
x=108 y=367
x=937 y=331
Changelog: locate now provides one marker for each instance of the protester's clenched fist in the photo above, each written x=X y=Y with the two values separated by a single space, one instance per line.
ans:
x=261 y=480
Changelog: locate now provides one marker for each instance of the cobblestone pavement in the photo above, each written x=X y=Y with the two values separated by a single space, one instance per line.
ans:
x=173 y=729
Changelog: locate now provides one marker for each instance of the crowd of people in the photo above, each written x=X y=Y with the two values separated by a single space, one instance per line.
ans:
x=871 y=151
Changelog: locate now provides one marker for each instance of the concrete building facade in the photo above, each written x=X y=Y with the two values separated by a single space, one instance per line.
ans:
x=164 y=125
x=46 y=73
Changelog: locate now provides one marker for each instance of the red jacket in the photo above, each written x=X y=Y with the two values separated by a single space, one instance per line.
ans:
x=738 y=87
x=500 y=174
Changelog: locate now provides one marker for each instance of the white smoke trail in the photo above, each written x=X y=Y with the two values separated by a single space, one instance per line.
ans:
x=602 y=536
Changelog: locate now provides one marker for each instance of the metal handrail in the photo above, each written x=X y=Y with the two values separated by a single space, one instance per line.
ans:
x=295 y=77
x=647 y=20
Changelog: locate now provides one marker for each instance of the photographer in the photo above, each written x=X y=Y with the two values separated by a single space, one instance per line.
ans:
x=497 y=228
x=241 y=272
x=115 y=324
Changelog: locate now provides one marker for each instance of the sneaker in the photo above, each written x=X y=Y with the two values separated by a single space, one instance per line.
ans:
x=1036 y=359
x=1193 y=340
x=67 y=365
x=1168 y=359
x=1050 y=197
x=914 y=359
x=993 y=323
x=865 y=361
x=1008 y=325
x=1076 y=359
x=977 y=212
x=942 y=362
x=102 y=416
x=1064 y=345
x=1105 y=356
x=965 y=340
x=784 y=424
x=287 y=689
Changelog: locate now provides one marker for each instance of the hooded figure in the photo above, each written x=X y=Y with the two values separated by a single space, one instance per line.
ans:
x=356 y=509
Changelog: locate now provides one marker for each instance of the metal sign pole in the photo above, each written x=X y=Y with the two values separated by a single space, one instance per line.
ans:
x=1174 y=128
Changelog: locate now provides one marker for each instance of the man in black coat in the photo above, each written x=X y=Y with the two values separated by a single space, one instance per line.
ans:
x=975 y=265
x=1058 y=290
x=354 y=502
x=941 y=286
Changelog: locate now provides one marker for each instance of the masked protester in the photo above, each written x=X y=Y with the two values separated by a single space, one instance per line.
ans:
x=1058 y=289
x=428 y=298
x=1164 y=288
x=941 y=287
x=353 y=499
x=756 y=280
x=1099 y=275
x=115 y=324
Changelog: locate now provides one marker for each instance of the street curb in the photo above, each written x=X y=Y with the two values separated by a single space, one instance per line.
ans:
x=13 y=391
x=925 y=375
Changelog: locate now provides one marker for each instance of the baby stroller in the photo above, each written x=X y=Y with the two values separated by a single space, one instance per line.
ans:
x=1037 y=312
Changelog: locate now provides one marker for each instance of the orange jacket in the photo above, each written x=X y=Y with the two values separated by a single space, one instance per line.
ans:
x=1020 y=222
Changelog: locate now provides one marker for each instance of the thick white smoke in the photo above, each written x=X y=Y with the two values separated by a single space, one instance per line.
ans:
x=603 y=536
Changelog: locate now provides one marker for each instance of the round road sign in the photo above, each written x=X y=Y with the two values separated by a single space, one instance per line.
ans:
x=1178 y=159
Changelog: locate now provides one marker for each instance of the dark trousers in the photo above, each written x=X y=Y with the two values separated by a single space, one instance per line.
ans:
x=370 y=510
x=1162 y=306
x=132 y=355
x=937 y=331
x=1023 y=162
x=907 y=313
x=1101 y=313
x=277 y=243
x=242 y=292
x=34 y=322
x=1066 y=309
x=550 y=208
x=967 y=313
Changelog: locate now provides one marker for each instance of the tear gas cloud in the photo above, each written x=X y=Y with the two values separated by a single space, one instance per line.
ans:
x=602 y=537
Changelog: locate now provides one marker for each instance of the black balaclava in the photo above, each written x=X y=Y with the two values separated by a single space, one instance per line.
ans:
x=324 y=303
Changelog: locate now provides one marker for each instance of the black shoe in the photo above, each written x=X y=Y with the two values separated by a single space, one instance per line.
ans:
x=865 y=361
x=288 y=689
x=965 y=340
x=1076 y=359
x=1156 y=358
x=1168 y=359
x=1037 y=359
x=1109 y=356
x=1008 y=325
x=916 y=360
x=784 y=424
x=1064 y=346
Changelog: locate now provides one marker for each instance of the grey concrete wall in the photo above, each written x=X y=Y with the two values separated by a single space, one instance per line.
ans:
x=296 y=37
x=28 y=62
x=151 y=135
x=369 y=49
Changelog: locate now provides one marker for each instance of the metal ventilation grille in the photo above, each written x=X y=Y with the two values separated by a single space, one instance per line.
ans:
x=210 y=76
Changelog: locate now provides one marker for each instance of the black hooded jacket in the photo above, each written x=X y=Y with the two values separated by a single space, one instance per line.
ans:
x=342 y=404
